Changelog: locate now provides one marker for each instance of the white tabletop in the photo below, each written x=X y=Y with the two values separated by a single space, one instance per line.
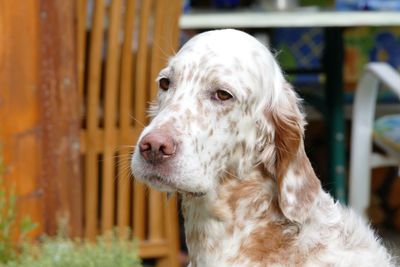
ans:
x=251 y=19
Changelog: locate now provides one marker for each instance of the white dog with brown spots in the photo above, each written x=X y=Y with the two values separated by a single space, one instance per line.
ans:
x=227 y=135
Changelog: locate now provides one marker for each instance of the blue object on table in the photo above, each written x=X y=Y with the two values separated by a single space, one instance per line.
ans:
x=367 y=5
x=383 y=5
x=302 y=50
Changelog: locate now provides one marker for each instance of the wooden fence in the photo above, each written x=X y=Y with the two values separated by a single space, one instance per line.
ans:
x=79 y=75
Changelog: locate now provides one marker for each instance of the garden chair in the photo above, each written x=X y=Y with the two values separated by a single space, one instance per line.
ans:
x=384 y=131
x=122 y=45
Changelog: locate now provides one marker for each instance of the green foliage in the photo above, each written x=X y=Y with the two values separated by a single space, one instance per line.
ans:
x=63 y=252
x=1 y=162
x=8 y=220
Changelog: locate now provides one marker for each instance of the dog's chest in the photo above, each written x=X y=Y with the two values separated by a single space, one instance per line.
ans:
x=214 y=242
x=210 y=240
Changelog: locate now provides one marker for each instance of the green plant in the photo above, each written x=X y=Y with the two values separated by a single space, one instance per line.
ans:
x=59 y=251
x=8 y=220
x=1 y=162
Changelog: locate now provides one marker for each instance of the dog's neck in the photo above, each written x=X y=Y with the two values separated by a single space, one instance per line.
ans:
x=226 y=226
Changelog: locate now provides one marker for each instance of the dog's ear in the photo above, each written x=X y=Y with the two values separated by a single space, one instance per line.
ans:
x=297 y=183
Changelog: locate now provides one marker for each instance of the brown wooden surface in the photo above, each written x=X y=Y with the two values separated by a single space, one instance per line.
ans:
x=125 y=104
x=110 y=111
x=92 y=114
x=59 y=115
x=20 y=129
x=39 y=123
x=139 y=112
x=80 y=19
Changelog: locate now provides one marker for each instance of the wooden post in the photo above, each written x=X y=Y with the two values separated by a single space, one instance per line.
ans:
x=39 y=110
x=59 y=110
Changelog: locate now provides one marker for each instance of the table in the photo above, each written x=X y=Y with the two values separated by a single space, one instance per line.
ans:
x=333 y=22
x=252 y=19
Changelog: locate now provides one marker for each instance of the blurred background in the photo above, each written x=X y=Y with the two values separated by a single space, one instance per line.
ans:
x=77 y=76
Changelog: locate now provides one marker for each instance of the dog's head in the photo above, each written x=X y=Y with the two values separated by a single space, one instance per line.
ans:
x=223 y=104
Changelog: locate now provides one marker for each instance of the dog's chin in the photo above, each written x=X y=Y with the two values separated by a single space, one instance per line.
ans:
x=163 y=178
x=164 y=185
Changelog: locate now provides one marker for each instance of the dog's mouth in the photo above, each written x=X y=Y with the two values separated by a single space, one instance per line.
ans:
x=165 y=184
x=160 y=182
x=194 y=194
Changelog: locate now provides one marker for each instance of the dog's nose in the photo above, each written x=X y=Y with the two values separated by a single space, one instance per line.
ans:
x=157 y=146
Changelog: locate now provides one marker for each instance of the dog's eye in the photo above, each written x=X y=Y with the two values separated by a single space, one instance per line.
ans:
x=164 y=83
x=222 y=95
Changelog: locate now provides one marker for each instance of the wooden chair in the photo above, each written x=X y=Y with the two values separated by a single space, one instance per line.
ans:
x=121 y=48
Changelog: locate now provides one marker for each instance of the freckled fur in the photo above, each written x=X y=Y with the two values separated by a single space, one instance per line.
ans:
x=261 y=203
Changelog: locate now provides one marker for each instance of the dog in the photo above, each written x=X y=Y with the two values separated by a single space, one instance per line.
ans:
x=227 y=135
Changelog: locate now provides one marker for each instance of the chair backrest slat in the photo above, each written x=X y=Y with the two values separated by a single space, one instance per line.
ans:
x=142 y=61
x=125 y=111
x=141 y=98
x=92 y=120
x=81 y=10
x=110 y=111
